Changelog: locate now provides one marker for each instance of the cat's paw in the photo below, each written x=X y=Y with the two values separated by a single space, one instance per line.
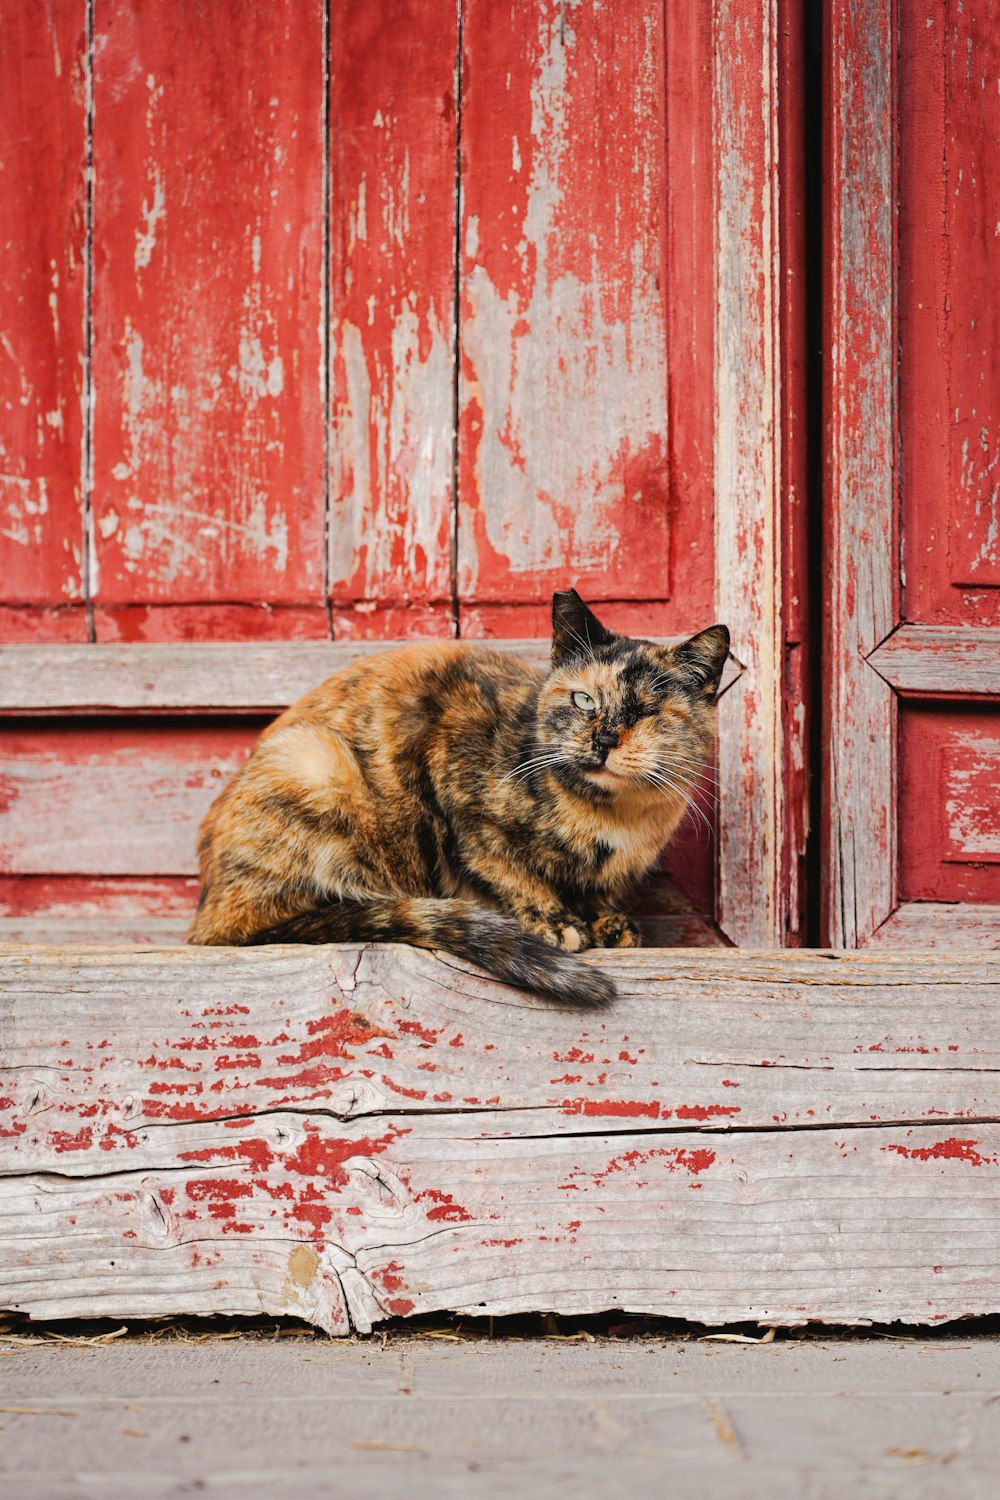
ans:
x=564 y=930
x=612 y=930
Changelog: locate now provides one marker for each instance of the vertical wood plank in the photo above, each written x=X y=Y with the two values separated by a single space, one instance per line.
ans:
x=563 y=434
x=208 y=338
x=392 y=142
x=42 y=329
x=860 y=570
x=748 y=480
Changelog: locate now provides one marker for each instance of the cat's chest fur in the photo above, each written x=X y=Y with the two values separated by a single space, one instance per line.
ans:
x=617 y=845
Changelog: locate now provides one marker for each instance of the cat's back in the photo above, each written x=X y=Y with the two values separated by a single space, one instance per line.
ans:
x=393 y=691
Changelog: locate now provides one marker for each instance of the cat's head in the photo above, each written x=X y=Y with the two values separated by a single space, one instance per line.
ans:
x=622 y=713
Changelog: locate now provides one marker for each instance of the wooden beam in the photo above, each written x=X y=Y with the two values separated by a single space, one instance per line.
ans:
x=349 y=1134
x=925 y=659
x=202 y=677
x=861 y=575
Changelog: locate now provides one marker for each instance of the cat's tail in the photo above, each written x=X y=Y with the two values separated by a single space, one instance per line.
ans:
x=487 y=938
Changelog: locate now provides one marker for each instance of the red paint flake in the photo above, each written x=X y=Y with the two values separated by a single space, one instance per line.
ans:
x=624 y=1057
x=354 y=1210
x=730 y=1083
x=442 y=1098
x=62 y=1140
x=952 y=1149
x=425 y=1033
x=248 y=1060
x=399 y=1088
x=226 y=1010
x=629 y=1109
x=574 y=1055
x=456 y=1040
x=705 y=1111
x=674 y=1158
x=333 y=1036
x=499 y=1244
x=447 y=1209
x=400 y=1307
x=387 y=1276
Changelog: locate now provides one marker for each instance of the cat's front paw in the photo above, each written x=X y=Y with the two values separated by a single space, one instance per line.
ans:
x=563 y=930
x=612 y=930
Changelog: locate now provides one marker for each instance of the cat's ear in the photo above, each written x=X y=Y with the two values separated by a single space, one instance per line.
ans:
x=702 y=658
x=576 y=630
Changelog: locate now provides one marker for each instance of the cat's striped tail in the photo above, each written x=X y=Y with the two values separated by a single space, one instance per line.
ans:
x=487 y=938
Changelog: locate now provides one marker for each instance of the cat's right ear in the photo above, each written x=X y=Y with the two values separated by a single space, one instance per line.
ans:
x=576 y=630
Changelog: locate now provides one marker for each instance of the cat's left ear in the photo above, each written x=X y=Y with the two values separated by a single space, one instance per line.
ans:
x=702 y=659
x=576 y=630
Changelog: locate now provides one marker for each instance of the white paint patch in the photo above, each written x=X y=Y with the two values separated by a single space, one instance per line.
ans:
x=145 y=239
x=391 y=458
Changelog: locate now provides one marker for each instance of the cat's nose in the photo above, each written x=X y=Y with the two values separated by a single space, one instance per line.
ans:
x=606 y=739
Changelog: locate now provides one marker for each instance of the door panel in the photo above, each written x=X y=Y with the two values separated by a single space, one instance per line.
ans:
x=913 y=465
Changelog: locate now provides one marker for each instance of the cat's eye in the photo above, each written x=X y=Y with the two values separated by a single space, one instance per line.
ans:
x=583 y=700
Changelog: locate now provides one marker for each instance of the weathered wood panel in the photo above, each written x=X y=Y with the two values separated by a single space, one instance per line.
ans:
x=563 y=457
x=393 y=129
x=208 y=331
x=949 y=312
x=43 y=85
x=99 y=799
x=933 y=659
x=861 y=576
x=936 y=925
x=949 y=802
x=349 y=1134
x=210 y=677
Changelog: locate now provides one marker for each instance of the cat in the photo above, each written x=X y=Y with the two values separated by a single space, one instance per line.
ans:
x=451 y=797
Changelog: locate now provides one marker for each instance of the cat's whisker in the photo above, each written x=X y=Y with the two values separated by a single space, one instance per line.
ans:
x=536 y=763
x=681 y=790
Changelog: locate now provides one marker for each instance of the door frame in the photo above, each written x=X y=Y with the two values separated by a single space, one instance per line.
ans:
x=760 y=472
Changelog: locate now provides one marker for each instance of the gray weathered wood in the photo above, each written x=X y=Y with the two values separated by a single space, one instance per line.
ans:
x=351 y=1133
x=860 y=394
x=941 y=925
x=940 y=659
x=202 y=676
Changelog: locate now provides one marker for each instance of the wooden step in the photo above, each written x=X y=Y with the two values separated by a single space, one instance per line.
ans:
x=349 y=1134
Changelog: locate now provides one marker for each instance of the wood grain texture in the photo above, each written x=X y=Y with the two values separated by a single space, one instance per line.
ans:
x=43 y=188
x=948 y=927
x=861 y=579
x=207 y=316
x=393 y=129
x=201 y=676
x=933 y=659
x=752 y=886
x=350 y=1134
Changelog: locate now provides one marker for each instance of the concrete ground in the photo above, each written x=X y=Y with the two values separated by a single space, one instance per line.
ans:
x=308 y=1417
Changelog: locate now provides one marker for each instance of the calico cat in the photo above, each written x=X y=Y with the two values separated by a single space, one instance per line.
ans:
x=449 y=796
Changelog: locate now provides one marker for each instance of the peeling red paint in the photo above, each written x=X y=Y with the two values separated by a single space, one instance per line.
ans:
x=952 y=1149
x=705 y=1111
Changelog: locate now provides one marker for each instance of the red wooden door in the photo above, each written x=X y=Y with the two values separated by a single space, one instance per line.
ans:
x=913 y=411
x=337 y=324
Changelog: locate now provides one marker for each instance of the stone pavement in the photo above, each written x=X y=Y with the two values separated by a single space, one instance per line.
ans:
x=810 y=1419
